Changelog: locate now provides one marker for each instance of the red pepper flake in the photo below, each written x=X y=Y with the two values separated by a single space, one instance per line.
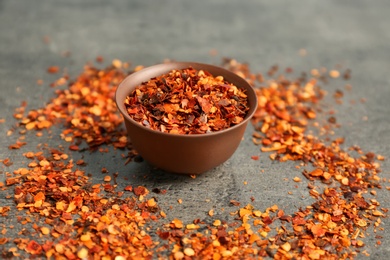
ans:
x=297 y=179
x=129 y=188
x=316 y=173
x=317 y=230
x=12 y=180
x=235 y=203
x=17 y=145
x=176 y=223
x=80 y=162
x=7 y=162
x=140 y=190
x=53 y=69
x=163 y=235
x=99 y=59
x=34 y=248
x=4 y=210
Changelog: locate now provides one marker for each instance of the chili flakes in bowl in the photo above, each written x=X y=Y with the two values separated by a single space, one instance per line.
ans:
x=187 y=101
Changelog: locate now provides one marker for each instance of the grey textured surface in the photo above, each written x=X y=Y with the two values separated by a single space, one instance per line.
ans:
x=354 y=34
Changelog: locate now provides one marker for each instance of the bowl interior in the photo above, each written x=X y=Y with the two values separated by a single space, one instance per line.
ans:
x=137 y=78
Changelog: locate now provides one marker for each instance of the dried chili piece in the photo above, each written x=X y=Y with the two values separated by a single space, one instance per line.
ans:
x=53 y=69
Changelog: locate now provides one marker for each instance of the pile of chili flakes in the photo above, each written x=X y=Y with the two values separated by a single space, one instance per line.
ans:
x=86 y=109
x=187 y=101
x=81 y=221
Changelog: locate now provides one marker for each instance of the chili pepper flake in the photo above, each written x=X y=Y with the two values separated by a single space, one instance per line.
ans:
x=189 y=251
x=4 y=210
x=297 y=179
x=17 y=145
x=334 y=73
x=176 y=223
x=53 y=69
x=140 y=191
x=33 y=248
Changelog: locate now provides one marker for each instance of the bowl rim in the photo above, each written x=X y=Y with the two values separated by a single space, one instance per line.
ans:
x=181 y=65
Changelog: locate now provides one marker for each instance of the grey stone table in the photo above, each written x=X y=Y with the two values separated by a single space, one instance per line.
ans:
x=353 y=34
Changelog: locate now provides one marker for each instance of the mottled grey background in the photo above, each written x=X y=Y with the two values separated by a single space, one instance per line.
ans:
x=351 y=34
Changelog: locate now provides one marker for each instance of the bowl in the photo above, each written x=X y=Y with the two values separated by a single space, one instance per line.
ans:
x=178 y=153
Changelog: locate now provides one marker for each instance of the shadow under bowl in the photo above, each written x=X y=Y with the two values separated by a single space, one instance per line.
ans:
x=176 y=153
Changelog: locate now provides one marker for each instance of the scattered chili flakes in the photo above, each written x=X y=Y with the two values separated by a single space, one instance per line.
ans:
x=282 y=118
x=86 y=109
x=73 y=207
x=87 y=223
x=187 y=101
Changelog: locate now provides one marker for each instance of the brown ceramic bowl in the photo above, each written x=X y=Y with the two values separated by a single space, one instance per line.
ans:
x=186 y=154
